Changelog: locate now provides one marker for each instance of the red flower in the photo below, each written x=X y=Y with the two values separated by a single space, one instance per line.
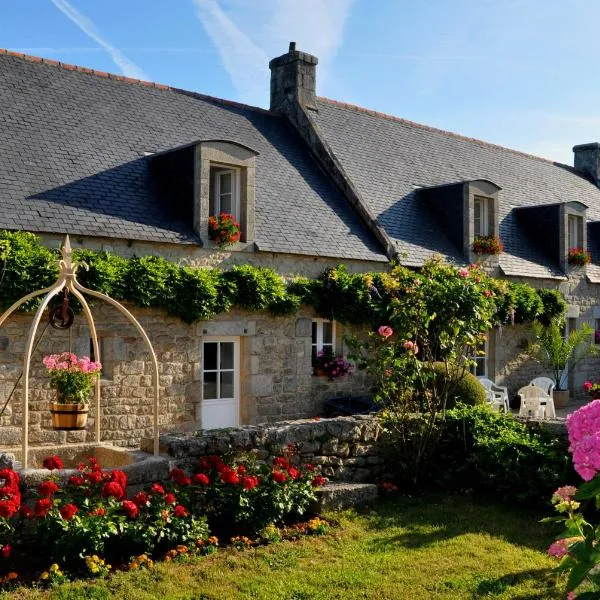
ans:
x=241 y=470
x=47 y=488
x=318 y=481
x=76 y=480
x=6 y=550
x=120 y=477
x=249 y=483
x=97 y=512
x=141 y=499
x=281 y=462
x=204 y=464
x=25 y=511
x=201 y=479
x=68 y=511
x=170 y=499
x=179 y=477
x=112 y=489
x=52 y=462
x=294 y=473
x=310 y=467
x=156 y=488
x=180 y=511
x=94 y=477
x=229 y=476
x=279 y=476
x=11 y=478
x=130 y=508
x=42 y=506
x=7 y=508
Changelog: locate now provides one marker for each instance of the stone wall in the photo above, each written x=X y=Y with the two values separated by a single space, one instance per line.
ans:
x=276 y=380
x=346 y=448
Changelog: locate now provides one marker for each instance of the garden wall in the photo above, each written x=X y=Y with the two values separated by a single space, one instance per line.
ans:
x=346 y=448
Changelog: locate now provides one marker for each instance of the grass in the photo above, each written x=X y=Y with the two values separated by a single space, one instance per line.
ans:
x=410 y=548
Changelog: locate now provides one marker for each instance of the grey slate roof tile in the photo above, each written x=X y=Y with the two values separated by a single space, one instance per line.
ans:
x=71 y=160
x=395 y=155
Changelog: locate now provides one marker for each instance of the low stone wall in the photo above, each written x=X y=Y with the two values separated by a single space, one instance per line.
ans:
x=346 y=448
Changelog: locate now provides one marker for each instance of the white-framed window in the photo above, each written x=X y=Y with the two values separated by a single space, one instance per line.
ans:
x=480 y=356
x=220 y=382
x=575 y=231
x=482 y=216
x=225 y=191
x=323 y=337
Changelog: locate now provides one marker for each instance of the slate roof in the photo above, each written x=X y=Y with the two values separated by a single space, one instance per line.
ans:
x=72 y=146
x=395 y=157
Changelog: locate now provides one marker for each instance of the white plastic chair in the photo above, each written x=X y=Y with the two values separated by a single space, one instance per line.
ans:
x=535 y=402
x=497 y=394
x=546 y=383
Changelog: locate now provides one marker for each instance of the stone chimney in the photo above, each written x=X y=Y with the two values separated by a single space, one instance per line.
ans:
x=293 y=81
x=587 y=160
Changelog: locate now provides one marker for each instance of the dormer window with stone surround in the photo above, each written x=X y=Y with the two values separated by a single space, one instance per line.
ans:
x=225 y=191
x=483 y=211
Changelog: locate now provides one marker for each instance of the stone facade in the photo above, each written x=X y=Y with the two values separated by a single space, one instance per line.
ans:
x=345 y=448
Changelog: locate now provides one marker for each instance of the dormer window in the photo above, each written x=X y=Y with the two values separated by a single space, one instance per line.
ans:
x=482 y=216
x=225 y=191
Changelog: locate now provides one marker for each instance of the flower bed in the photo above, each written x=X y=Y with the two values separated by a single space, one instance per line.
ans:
x=89 y=525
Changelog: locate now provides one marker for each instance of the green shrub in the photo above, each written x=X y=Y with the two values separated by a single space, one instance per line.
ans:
x=102 y=272
x=198 y=295
x=467 y=389
x=554 y=305
x=151 y=281
x=257 y=288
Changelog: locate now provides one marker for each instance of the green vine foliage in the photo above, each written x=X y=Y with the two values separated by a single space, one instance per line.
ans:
x=200 y=294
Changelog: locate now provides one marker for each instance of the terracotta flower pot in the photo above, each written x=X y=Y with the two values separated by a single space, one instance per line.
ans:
x=68 y=416
x=561 y=398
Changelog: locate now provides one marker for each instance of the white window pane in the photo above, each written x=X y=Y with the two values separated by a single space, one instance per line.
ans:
x=227 y=384
x=210 y=356
x=225 y=183
x=210 y=386
x=225 y=204
x=227 y=349
x=327 y=332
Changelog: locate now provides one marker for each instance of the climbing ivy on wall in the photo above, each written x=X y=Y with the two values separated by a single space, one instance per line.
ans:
x=200 y=294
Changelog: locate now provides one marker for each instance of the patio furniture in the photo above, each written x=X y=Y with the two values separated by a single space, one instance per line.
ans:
x=497 y=394
x=535 y=402
x=546 y=383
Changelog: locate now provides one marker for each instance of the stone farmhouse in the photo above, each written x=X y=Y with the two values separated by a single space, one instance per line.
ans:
x=136 y=168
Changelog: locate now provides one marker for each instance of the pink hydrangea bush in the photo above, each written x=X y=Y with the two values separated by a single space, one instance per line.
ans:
x=577 y=547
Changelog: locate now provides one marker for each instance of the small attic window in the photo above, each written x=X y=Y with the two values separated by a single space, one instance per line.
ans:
x=575 y=231
x=225 y=191
x=483 y=212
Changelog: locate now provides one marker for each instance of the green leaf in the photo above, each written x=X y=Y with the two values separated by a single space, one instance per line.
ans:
x=589 y=489
x=578 y=574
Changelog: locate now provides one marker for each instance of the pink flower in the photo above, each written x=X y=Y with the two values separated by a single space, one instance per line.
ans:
x=587 y=386
x=385 y=331
x=463 y=272
x=411 y=347
x=487 y=293
x=566 y=492
x=558 y=549
x=583 y=426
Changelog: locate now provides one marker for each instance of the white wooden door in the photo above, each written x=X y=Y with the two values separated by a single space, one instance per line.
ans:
x=220 y=382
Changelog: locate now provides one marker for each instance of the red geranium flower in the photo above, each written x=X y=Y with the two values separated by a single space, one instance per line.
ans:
x=249 y=483
x=11 y=478
x=25 y=511
x=7 y=508
x=318 y=481
x=281 y=462
x=47 y=488
x=42 y=506
x=97 y=512
x=229 y=476
x=130 y=508
x=120 y=477
x=156 y=488
x=94 y=477
x=52 y=462
x=179 y=477
x=68 y=511
x=180 y=511
x=170 y=499
x=204 y=464
x=112 y=489
x=6 y=550
x=294 y=473
x=141 y=499
x=279 y=476
x=76 y=480
x=201 y=478
x=241 y=470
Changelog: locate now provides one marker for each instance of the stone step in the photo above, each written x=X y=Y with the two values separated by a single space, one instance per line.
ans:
x=337 y=496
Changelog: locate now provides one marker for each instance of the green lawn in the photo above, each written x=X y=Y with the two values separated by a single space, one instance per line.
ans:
x=429 y=547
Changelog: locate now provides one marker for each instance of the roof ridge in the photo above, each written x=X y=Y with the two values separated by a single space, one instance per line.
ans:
x=376 y=113
x=130 y=80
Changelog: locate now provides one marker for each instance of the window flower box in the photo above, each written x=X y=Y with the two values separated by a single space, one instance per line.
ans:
x=487 y=244
x=326 y=364
x=223 y=229
x=578 y=257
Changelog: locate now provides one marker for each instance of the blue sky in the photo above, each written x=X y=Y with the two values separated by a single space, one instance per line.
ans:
x=520 y=73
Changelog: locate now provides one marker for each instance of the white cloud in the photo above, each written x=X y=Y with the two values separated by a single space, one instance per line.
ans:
x=248 y=33
x=128 y=68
